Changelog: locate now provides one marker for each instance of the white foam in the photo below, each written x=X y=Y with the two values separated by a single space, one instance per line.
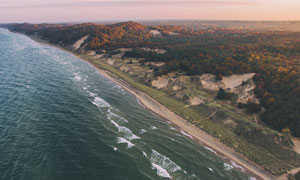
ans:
x=77 y=78
x=143 y=131
x=127 y=132
x=235 y=165
x=115 y=149
x=164 y=162
x=186 y=134
x=144 y=154
x=161 y=171
x=173 y=128
x=121 y=140
x=91 y=94
x=210 y=169
x=112 y=116
x=211 y=150
x=153 y=127
x=100 y=103
x=227 y=167
x=140 y=103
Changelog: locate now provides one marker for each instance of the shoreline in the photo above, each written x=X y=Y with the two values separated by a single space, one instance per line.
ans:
x=200 y=136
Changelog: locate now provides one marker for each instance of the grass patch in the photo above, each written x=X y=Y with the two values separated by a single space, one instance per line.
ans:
x=277 y=162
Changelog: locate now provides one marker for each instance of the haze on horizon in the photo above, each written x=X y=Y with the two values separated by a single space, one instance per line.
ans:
x=37 y=11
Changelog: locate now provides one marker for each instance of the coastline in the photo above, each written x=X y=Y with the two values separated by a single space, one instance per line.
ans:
x=199 y=135
x=154 y=106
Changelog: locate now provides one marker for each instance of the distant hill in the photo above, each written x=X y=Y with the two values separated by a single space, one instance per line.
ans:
x=293 y=26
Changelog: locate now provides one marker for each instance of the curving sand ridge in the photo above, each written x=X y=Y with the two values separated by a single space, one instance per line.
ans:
x=78 y=43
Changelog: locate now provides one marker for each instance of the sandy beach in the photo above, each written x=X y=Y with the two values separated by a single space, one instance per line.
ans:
x=198 y=134
x=194 y=132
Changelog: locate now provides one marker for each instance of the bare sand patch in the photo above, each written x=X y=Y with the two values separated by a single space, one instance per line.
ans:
x=78 y=43
x=91 y=53
x=209 y=82
x=111 y=61
x=195 y=101
x=124 y=68
x=160 y=82
x=176 y=88
x=235 y=80
x=296 y=145
x=155 y=32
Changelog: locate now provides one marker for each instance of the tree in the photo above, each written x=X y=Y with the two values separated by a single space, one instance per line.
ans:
x=287 y=131
x=253 y=108
x=219 y=77
x=221 y=94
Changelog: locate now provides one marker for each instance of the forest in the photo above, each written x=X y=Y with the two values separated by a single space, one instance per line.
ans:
x=273 y=55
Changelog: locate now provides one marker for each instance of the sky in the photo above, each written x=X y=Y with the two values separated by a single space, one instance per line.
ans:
x=39 y=11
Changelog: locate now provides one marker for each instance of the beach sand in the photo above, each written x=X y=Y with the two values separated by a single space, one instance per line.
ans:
x=197 y=134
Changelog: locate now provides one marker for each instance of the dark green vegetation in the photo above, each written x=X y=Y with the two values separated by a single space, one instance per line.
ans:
x=250 y=139
x=273 y=55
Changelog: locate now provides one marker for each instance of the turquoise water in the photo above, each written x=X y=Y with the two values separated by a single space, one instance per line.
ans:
x=61 y=120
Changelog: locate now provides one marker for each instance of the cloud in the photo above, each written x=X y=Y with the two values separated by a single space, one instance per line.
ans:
x=131 y=3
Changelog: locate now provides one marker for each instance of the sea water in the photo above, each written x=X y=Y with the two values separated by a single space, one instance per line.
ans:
x=61 y=120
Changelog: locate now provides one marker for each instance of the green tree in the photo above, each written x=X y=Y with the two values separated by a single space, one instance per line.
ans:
x=221 y=94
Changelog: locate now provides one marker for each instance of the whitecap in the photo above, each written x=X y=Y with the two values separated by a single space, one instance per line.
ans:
x=172 y=128
x=161 y=171
x=127 y=132
x=186 y=134
x=144 y=154
x=153 y=127
x=92 y=94
x=143 y=131
x=211 y=150
x=235 y=165
x=77 y=78
x=210 y=169
x=100 y=103
x=140 y=103
x=121 y=140
x=164 y=162
x=227 y=167
x=112 y=115
x=115 y=149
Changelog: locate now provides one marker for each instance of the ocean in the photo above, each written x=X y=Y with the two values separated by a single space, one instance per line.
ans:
x=61 y=120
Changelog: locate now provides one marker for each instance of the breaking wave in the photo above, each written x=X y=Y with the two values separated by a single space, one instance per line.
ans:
x=121 y=140
x=126 y=131
x=186 y=134
x=161 y=171
x=227 y=167
x=100 y=103
x=164 y=162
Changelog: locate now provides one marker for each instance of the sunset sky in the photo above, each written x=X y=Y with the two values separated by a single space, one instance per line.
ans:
x=97 y=10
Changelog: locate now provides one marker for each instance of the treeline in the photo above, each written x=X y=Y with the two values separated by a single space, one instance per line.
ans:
x=273 y=56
